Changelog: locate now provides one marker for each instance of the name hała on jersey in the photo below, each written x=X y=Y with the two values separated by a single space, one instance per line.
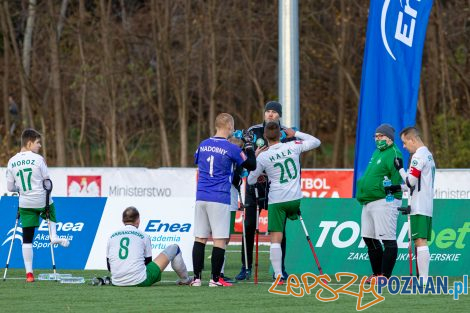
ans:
x=281 y=155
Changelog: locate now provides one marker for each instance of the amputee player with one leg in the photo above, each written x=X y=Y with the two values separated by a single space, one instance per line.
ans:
x=420 y=181
x=282 y=166
x=25 y=174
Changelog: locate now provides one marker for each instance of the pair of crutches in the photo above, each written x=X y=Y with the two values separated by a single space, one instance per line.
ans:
x=47 y=185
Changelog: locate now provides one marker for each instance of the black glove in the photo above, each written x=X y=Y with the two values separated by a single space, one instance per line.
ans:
x=392 y=189
x=405 y=211
x=398 y=163
x=247 y=137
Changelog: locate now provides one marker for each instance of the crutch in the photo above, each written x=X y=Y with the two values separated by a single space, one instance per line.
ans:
x=257 y=235
x=407 y=211
x=47 y=185
x=244 y=231
x=11 y=244
x=311 y=246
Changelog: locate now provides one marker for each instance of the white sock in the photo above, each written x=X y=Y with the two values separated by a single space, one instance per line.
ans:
x=223 y=264
x=179 y=267
x=53 y=226
x=28 y=257
x=275 y=256
x=423 y=259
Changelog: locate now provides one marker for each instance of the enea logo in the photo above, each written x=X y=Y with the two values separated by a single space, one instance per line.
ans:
x=11 y=236
x=159 y=226
x=84 y=186
x=405 y=24
x=41 y=239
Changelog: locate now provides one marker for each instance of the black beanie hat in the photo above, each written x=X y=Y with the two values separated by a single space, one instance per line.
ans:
x=275 y=106
x=387 y=130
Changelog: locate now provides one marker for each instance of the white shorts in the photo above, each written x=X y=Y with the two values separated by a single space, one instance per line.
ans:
x=233 y=198
x=379 y=219
x=212 y=217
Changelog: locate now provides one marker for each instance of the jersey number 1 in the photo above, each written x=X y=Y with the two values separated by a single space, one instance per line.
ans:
x=22 y=174
x=210 y=159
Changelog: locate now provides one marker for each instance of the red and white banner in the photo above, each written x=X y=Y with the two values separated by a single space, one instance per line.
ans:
x=327 y=183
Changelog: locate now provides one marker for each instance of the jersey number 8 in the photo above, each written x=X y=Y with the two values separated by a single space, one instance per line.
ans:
x=124 y=250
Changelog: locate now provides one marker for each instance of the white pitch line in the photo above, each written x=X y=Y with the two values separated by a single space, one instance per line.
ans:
x=174 y=282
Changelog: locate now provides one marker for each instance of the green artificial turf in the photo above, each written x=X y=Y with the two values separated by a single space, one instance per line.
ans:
x=42 y=296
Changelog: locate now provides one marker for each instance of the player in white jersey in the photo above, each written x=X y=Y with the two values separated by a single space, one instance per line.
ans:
x=420 y=181
x=281 y=164
x=129 y=256
x=25 y=174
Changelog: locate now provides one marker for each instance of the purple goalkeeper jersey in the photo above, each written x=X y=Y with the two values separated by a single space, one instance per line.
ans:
x=215 y=158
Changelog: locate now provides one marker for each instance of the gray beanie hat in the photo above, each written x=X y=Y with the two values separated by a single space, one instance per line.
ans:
x=275 y=106
x=387 y=130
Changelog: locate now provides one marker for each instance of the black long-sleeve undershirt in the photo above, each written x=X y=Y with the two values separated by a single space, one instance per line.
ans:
x=250 y=162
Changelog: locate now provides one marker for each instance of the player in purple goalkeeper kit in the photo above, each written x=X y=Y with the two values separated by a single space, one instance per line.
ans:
x=216 y=158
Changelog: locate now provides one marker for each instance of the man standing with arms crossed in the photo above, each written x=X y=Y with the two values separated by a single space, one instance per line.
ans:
x=420 y=181
x=216 y=159
x=282 y=166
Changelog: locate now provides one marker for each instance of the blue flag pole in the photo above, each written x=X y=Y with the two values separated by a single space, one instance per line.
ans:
x=396 y=31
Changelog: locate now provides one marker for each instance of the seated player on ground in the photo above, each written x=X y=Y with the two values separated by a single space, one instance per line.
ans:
x=129 y=256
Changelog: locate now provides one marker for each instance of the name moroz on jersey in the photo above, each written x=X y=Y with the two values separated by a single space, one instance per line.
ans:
x=216 y=159
x=282 y=166
x=424 y=169
x=27 y=170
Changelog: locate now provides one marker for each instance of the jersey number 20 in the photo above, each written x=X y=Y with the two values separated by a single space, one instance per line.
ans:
x=284 y=167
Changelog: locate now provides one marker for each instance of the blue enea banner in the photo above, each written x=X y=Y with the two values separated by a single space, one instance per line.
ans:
x=78 y=220
x=396 y=31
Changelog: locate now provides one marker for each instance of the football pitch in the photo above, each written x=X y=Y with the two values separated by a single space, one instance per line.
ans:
x=42 y=296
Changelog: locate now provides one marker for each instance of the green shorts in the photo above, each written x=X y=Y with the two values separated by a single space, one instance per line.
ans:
x=233 y=214
x=30 y=217
x=154 y=274
x=421 y=227
x=278 y=212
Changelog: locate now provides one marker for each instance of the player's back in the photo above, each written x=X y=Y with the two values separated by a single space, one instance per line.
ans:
x=216 y=158
x=126 y=253
x=282 y=166
x=28 y=170
x=423 y=166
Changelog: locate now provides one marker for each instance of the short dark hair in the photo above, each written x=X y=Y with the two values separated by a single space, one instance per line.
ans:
x=272 y=131
x=29 y=135
x=410 y=132
x=130 y=215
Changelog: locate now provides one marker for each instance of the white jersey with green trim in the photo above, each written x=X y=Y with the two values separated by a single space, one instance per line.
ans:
x=282 y=166
x=126 y=251
x=27 y=170
x=423 y=169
